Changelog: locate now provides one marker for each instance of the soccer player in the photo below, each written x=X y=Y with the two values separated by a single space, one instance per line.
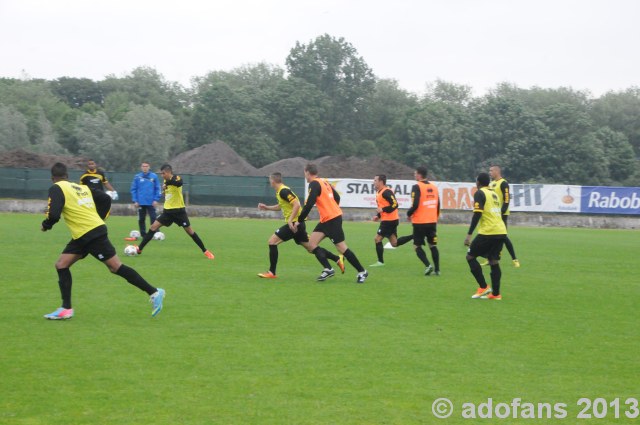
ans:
x=96 y=179
x=174 y=211
x=324 y=196
x=83 y=212
x=501 y=186
x=492 y=233
x=424 y=213
x=145 y=194
x=387 y=214
x=289 y=204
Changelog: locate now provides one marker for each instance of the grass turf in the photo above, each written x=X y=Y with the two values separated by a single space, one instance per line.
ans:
x=231 y=348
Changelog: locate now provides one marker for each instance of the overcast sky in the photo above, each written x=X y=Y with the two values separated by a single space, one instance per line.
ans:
x=585 y=44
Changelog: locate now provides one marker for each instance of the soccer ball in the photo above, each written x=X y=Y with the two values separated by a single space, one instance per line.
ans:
x=130 y=251
x=158 y=236
x=134 y=234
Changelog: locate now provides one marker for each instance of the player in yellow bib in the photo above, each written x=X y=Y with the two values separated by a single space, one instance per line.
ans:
x=488 y=243
x=174 y=211
x=289 y=204
x=500 y=185
x=83 y=211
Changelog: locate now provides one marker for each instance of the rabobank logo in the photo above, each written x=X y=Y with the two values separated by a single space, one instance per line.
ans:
x=610 y=200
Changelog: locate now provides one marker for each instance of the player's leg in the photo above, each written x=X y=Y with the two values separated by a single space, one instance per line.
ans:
x=63 y=265
x=432 y=240
x=314 y=245
x=273 y=243
x=478 y=248
x=160 y=221
x=182 y=220
x=496 y=273
x=509 y=245
x=103 y=250
x=419 y=236
x=379 y=249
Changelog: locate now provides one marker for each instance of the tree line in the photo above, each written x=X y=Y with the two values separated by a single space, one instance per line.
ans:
x=328 y=101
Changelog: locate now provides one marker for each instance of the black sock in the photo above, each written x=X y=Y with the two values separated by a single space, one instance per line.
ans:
x=198 y=241
x=321 y=256
x=404 y=239
x=496 y=274
x=273 y=258
x=147 y=237
x=353 y=260
x=380 y=251
x=422 y=256
x=435 y=254
x=476 y=271
x=509 y=245
x=330 y=255
x=64 y=281
x=134 y=278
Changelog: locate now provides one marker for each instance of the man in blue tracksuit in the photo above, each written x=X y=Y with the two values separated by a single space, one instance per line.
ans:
x=145 y=194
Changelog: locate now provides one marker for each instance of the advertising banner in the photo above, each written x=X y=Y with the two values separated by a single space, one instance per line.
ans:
x=360 y=193
x=610 y=200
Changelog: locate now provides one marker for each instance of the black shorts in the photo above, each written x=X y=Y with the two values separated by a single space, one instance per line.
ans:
x=424 y=231
x=332 y=229
x=95 y=242
x=488 y=246
x=286 y=234
x=177 y=215
x=388 y=228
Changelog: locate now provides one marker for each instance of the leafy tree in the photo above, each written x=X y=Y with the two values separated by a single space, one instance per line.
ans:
x=334 y=67
x=146 y=86
x=75 y=92
x=13 y=129
x=297 y=109
x=436 y=137
x=620 y=111
x=229 y=114
x=619 y=154
x=575 y=155
x=96 y=139
x=388 y=104
x=146 y=133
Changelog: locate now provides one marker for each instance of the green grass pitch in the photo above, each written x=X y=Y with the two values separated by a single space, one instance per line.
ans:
x=231 y=348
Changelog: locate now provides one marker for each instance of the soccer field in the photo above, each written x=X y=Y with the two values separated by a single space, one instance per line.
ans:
x=231 y=348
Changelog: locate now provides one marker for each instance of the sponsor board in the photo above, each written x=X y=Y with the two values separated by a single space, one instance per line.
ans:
x=610 y=200
x=360 y=193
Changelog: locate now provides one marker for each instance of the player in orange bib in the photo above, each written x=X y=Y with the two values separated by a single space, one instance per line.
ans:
x=424 y=213
x=387 y=215
x=324 y=196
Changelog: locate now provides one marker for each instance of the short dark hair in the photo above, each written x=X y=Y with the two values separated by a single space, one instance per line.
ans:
x=483 y=179
x=311 y=168
x=382 y=178
x=422 y=171
x=59 y=170
x=276 y=177
x=166 y=167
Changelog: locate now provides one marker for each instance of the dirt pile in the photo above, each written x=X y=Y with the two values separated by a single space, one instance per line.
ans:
x=216 y=159
x=219 y=159
x=19 y=158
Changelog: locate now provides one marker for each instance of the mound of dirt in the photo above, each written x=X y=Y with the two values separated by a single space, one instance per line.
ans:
x=338 y=166
x=216 y=159
x=219 y=159
x=289 y=167
x=19 y=158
